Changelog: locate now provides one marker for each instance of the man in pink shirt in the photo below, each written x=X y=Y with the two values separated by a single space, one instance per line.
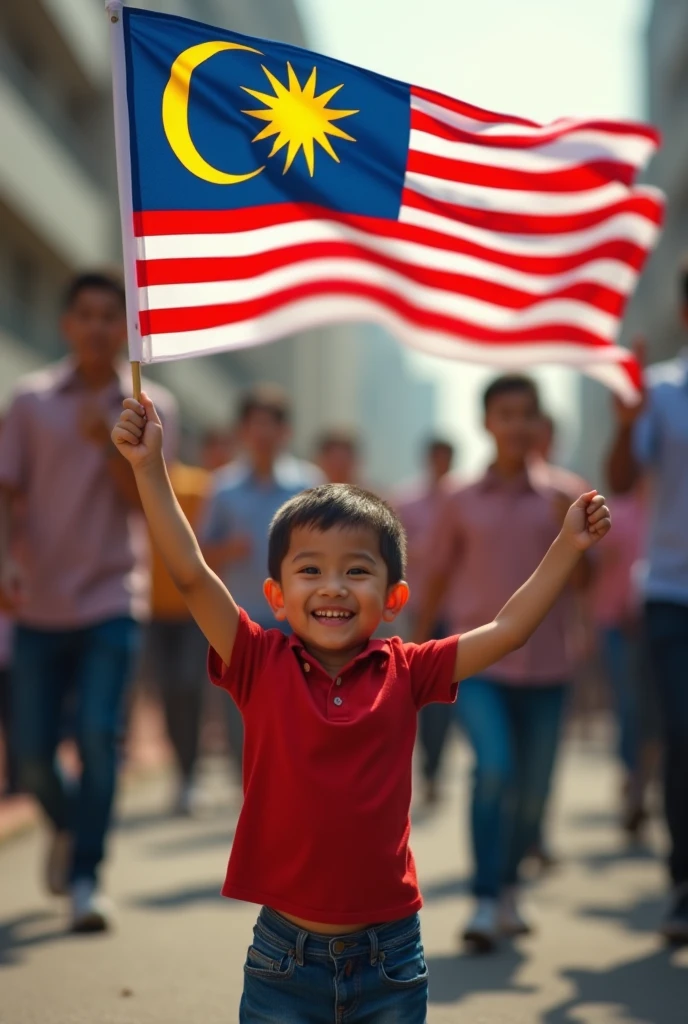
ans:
x=420 y=508
x=82 y=582
x=493 y=533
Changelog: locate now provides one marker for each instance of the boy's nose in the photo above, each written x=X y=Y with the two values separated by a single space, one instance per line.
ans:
x=333 y=586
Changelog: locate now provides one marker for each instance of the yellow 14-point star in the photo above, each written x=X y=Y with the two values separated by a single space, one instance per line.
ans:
x=298 y=118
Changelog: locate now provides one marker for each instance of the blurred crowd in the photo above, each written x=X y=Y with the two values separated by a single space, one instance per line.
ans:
x=88 y=608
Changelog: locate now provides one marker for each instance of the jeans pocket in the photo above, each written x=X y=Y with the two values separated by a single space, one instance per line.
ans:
x=403 y=967
x=261 y=965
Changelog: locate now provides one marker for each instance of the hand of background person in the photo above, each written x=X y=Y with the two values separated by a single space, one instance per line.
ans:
x=626 y=415
x=12 y=585
x=93 y=426
x=138 y=432
x=587 y=521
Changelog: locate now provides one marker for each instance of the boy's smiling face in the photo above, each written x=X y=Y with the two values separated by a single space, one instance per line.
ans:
x=334 y=589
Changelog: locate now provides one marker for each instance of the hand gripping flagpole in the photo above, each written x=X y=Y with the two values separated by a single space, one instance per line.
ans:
x=126 y=206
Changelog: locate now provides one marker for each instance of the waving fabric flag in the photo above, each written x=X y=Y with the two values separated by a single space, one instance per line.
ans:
x=273 y=190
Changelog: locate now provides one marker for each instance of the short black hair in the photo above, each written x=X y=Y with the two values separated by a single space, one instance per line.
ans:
x=333 y=506
x=438 y=444
x=510 y=382
x=270 y=398
x=97 y=280
x=338 y=438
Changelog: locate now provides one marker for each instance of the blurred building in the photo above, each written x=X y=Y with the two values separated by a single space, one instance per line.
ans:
x=58 y=207
x=654 y=309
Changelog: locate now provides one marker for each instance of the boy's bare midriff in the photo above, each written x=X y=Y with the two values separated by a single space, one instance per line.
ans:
x=323 y=929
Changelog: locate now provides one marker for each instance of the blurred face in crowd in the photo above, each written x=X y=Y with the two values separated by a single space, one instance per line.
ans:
x=514 y=420
x=217 y=450
x=440 y=458
x=338 y=461
x=263 y=435
x=95 y=328
x=544 y=438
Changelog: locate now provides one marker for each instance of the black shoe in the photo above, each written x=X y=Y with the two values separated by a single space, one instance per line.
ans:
x=675 y=925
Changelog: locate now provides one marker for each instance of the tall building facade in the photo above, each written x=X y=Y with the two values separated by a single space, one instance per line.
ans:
x=59 y=212
x=653 y=312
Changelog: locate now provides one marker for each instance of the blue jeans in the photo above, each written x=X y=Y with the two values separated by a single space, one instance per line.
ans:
x=91 y=667
x=667 y=633
x=378 y=976
x=514 y=732
x=621 y=660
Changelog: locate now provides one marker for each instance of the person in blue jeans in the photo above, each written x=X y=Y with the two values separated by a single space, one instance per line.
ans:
x=81 y=586
x=652 y=442
x=492 y=532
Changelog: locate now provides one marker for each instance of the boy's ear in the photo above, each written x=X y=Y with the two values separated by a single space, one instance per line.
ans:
x=275 y=598
x=397 y=596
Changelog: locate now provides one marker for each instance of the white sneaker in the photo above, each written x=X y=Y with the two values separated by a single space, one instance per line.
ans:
x=91 y=912
x=57 y=863
x=482 y=931
x=511 y=920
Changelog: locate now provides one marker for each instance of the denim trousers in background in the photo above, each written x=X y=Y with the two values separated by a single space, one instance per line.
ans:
x=621 y=660
x=667 y=635
x=514 y=732
x=376 y=976
x=91 y=666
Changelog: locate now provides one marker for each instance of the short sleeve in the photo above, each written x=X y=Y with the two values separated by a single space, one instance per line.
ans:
x=14 y=436
x=646 y=433
x=432 y=666
x=249 y=653
x=216 y=521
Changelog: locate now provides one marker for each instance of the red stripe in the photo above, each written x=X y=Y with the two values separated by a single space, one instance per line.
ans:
x=175 y=222
x=423 y=122
x=241 y=268
x=531 y=223
x=195 y=318
x=569 y=179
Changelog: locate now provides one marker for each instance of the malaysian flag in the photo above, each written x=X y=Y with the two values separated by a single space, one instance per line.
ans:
x=266 y=190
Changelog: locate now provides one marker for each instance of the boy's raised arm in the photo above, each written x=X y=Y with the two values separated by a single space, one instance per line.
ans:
x=586 y=522
x=138 y=435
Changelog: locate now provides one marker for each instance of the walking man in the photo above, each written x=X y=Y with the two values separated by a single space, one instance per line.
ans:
x=82 y=585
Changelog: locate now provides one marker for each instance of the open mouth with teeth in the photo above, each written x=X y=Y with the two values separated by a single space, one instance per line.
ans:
x=332 y=616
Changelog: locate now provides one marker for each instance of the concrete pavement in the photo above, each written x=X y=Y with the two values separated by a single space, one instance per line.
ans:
x=177 y=954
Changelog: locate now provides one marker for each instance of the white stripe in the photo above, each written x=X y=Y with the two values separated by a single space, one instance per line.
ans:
x=630 y=148
x=552 y=156
x=319 y=310
x=487 y=314
x=503 y=200
x=628 y=226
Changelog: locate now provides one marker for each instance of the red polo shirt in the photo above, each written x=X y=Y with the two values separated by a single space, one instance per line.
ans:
x=324 y=830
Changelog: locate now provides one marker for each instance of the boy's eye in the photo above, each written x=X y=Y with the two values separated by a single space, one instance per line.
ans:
x=310 y=570
x=358 y=571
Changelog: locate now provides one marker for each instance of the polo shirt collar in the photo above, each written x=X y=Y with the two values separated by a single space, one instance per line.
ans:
x=524 y=481
x=66 y=377
x=374 y=647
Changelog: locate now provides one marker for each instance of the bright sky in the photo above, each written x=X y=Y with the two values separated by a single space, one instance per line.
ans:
x=537 y=58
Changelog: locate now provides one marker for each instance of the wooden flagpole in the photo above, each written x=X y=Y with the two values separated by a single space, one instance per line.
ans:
x=126 y=205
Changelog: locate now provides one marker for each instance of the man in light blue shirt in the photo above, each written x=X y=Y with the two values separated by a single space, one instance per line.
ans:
x=654 y=440
x=244 y=498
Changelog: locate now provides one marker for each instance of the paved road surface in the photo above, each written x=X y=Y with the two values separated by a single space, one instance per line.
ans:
x=177 y=955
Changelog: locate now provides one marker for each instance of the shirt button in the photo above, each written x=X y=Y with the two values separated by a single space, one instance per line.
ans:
x=338 y=701
x=338 y=681
x=306 y=667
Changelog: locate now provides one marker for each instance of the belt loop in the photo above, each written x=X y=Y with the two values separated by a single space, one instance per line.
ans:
x=300 y=944
x=372 y=936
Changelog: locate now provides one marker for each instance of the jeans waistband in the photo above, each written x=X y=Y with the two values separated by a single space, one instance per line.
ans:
x=371 y=942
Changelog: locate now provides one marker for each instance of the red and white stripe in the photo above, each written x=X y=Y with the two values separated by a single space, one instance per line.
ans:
x=516 y=244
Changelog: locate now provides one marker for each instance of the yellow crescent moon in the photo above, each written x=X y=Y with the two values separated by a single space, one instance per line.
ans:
x=175 y=113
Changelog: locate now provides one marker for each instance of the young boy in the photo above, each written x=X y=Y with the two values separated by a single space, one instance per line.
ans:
x=330 y=719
